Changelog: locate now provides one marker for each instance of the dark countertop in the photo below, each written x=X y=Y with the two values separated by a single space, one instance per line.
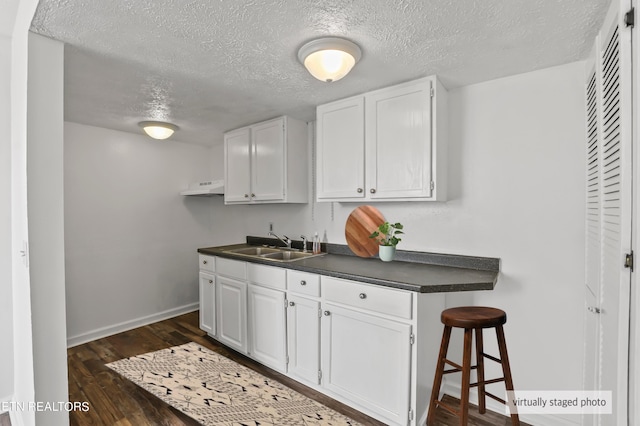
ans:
x=414 y=275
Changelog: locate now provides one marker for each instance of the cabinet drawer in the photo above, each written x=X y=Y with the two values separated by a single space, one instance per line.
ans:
x=383 y=300
x=207 y=263
x=303 y=283
x=231 y=268
x=268 y=276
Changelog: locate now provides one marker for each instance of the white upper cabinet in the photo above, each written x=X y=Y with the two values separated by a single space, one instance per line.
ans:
x=385 y=145
x=237 y=166
x=267 y=163
x=340 y=154
x=267 y=156
x=398 y=128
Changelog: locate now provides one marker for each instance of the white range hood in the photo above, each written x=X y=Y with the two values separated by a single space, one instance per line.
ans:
x=212 y=187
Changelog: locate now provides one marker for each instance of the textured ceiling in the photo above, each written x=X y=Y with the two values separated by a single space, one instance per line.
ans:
x=213 y=65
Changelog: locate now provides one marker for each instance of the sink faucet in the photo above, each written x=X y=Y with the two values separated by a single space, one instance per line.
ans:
x=285 y=240
x=304 y=243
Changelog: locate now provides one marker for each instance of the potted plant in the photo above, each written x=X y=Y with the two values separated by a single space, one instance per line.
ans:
x=386 y=235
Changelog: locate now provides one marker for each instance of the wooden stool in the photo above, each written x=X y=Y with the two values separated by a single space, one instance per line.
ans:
x=471 y=318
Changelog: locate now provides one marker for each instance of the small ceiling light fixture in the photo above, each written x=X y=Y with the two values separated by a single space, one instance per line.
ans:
x=330 y=58
x=158 y=129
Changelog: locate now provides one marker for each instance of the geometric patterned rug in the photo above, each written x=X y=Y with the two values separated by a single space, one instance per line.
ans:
x=217 y=391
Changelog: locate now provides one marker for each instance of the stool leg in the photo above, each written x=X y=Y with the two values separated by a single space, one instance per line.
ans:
x=437 y=380
x=506 y=369
x=466 y=377
x=480 y=372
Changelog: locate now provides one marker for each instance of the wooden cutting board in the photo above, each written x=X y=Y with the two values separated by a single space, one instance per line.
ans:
x=360 y=224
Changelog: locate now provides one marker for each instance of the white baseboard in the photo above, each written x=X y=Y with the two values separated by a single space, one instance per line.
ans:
x=129 y=325
x=453 y=389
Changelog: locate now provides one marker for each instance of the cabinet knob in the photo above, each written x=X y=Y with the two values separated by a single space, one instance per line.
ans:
x=246 y=195
x=292 y=304
x=253 y=195
x=372 y=190
x=210 y=281
x=327 y=313
x=594 y=310
x=359 y=190
x=363 y=296
x=303 y=282
x=204 y=262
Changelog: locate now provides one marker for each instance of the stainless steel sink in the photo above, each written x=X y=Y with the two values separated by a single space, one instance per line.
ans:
x=273 y=254
x=254 y=251
x=288 y=256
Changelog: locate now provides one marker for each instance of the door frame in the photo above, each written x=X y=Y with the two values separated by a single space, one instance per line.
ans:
x=634 y=305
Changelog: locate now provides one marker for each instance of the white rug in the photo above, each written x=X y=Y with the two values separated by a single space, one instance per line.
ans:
x=215 y=390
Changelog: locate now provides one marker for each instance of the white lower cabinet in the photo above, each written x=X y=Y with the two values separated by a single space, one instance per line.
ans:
x=231 y=298
x=303 y=338
x=371 y=347
x=267 y=326
x=367 y=359
x=208 y=303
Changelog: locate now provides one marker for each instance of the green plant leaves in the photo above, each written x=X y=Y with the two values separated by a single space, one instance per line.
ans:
x=386 y=234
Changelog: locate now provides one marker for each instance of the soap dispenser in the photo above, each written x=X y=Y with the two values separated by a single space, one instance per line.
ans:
x=316 y=244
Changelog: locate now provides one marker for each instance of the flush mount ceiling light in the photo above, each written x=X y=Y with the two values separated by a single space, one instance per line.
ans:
x=158 y=129
x=330 y=58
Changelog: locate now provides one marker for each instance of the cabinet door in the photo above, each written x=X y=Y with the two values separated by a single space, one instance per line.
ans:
x=399 y=141
x=340 y=149
x=267 y=327
x=303 y=338
x=237 y=166
x=231 y=298
x=367 y=359
x=207 y=303
x=268 y=160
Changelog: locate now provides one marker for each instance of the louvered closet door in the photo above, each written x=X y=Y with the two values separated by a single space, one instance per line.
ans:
x=609 y=210
x=592 y=273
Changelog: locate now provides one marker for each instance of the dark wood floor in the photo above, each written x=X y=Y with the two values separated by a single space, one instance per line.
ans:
x=116 y=401
x=5 y=420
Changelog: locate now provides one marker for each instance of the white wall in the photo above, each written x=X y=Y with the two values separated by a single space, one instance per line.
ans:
x=6 y=301
x=516 y=172
x=130 y=238
x=17 y=15
x=45 y=112
x=522 y=145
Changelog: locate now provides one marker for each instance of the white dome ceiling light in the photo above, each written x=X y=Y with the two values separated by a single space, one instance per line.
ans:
x=158 y=129
x=330 y=58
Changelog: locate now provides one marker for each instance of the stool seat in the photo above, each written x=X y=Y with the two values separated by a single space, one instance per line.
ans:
x=473 y=317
